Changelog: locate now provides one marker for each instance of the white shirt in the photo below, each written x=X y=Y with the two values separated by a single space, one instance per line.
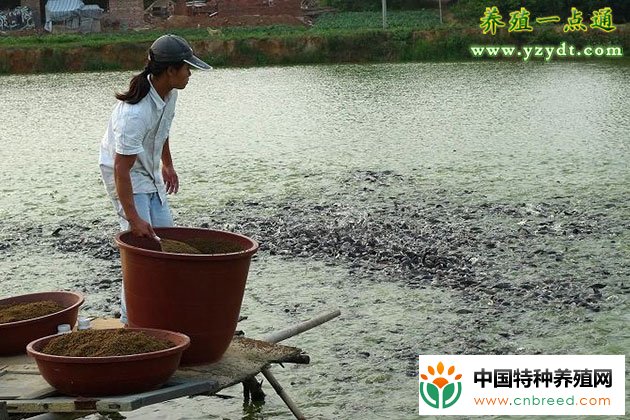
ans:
x=140 y=129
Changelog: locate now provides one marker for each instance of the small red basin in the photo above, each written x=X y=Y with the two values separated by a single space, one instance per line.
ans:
x=16 y=335
x=115 y=375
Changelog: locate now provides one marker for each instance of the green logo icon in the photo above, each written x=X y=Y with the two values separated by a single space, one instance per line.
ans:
x=436 y=390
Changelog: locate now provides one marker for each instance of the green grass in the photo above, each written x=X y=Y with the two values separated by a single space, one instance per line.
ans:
x=400 y=24
x=100 y=39
x=331 y=23
x=77 y=40
x=96 y=64
x=337 y=37
x=413 y=19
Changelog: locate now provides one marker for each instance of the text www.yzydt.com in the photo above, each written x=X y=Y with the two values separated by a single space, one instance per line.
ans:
x=545 y=52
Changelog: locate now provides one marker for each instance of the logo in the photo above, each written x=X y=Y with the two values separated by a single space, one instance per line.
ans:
x=437 y=390
x=524 y=384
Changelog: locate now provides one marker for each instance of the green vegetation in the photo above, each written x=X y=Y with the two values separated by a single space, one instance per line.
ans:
x=416 y=19
x=329 y=24
x=52 y=59
x=96 y=64
x=80 y=40
x=335 y=37
x=372 y=5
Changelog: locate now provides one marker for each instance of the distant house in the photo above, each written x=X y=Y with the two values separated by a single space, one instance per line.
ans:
x=161 y=8
x=229 y=7
x=129 y=13
x=36 y=8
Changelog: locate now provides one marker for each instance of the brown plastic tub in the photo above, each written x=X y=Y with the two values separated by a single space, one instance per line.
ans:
x=14 y=336
x=115 y=375
x=197 y=294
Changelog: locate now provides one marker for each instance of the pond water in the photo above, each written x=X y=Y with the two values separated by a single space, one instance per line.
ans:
x=512 y=177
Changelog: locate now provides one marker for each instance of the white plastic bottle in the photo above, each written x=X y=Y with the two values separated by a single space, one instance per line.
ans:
x=84 y=324
x=64 y=329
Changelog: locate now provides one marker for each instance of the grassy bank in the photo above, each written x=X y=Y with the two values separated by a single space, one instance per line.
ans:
x=340 y=37
x=329 y=24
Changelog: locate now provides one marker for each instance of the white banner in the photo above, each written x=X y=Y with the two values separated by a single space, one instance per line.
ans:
x=590 y=385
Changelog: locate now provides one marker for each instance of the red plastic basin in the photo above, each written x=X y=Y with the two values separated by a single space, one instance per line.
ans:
x=115 y=375
x=16 y=335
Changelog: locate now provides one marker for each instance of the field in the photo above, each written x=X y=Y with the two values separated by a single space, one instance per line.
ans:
x=329 y=24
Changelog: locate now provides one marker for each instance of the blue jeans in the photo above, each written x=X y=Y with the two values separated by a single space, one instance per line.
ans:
x=152 y=210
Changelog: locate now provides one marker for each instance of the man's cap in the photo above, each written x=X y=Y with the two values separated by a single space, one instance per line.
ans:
x=173 y=49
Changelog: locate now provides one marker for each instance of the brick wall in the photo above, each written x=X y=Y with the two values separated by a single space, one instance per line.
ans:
x=130 y=13
x=180 y=8
x=34 y=5
x=259 y=7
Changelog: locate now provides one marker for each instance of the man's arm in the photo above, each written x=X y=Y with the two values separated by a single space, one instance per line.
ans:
x=171 y=180
x=122 y=167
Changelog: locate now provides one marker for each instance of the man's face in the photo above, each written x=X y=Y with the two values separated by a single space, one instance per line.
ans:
x=179 y=77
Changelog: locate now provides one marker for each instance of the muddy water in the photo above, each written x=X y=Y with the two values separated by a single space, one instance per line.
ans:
x=445 y=208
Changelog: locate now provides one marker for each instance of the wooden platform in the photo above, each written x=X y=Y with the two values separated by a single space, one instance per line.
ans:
x=25 y=391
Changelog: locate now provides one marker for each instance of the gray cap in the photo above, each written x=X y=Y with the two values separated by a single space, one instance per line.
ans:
x=172 y=49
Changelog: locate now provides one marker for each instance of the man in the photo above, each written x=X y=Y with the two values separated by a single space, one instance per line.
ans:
x=137 y=140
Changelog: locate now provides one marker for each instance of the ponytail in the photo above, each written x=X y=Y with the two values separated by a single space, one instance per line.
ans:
x=138 y=88
x=139 y=85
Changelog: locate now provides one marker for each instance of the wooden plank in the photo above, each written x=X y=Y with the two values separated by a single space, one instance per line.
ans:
x=19 y=385
x=26 y=369
x=171 y=391
x=19 y=359
x=110 y=404
x=244 y=358
x=39 y=392
x=43 y=405
x=101 y=324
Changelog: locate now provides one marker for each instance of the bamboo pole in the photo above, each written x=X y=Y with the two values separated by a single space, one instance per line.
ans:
x=384 y=7
x=278 y=336
x=4 y=414
x=281 y=335
x=285 y=397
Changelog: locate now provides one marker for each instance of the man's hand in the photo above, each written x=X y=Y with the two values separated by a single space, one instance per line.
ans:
x=140 y=227
x=171 y=181
x=122 y=166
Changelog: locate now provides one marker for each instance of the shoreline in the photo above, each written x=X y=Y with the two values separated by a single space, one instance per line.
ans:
x=108 y=52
